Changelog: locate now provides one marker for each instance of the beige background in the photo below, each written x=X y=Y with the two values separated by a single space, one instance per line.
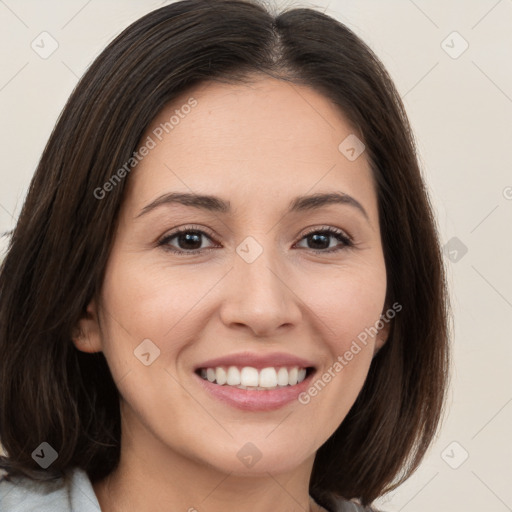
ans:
x=461 y=111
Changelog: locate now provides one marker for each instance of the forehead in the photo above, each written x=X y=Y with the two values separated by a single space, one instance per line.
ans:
x=269 y=136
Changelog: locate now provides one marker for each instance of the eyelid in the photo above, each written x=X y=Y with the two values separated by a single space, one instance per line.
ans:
x=331 y=229
x=196 y=227
x=188 y=227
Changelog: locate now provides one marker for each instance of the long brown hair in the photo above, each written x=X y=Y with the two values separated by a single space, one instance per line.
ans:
x=50 y=391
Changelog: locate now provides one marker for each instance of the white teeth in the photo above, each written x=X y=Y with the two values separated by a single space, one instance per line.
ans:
x=268 y=378
x=221 y=376
x=282 y=377
x=250 y=378
x=233 y=376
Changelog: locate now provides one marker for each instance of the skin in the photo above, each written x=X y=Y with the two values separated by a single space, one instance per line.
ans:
x=258 y=146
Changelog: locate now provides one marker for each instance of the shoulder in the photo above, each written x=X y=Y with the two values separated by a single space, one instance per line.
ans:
x=71 y=492
x=342 y=505
x=351 y=506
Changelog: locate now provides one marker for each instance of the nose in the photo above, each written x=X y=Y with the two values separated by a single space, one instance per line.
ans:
x=259 y=296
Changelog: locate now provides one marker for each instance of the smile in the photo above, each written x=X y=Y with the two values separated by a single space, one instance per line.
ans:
x=251 y=378
x=251 y=389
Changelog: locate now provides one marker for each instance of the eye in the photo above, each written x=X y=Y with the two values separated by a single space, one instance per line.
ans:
x=321 y=240
x=188 y=240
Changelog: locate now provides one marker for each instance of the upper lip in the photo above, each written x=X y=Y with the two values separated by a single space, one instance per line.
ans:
x=257 y=361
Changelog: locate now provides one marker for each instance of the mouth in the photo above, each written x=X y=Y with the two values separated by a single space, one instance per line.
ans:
x=255 y=390
x=254 y=379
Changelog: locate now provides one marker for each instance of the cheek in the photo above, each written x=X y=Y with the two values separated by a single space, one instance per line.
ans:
x=348 y=305
x=149 y=312
x=347 y=309
x=150 y=302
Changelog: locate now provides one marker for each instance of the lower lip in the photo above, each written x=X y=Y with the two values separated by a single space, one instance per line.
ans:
x=253 y=400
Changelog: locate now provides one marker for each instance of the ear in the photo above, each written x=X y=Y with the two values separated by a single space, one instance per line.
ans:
x=382 y=336
x=86 y=335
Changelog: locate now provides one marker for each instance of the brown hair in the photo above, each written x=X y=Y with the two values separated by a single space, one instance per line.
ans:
x=50 y=391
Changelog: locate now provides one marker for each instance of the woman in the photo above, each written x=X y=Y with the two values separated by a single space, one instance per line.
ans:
x=225 y=289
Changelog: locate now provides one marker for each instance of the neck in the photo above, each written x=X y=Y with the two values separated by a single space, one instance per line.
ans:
x=152 y=476
x=145 y=490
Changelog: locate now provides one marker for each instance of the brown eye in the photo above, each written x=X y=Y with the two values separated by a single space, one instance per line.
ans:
x=185 y=241
x=320 y=240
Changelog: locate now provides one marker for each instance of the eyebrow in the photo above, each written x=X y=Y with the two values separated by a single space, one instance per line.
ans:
x=216 y=204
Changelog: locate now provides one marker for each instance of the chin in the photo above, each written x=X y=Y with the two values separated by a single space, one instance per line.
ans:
x=257 y=458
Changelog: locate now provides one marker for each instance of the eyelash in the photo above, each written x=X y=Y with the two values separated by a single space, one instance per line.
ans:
x=336 y=233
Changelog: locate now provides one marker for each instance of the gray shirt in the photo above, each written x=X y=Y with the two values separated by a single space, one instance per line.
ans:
x=74 y=493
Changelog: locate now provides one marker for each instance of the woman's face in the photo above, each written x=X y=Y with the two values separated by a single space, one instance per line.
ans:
x=256 y=282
